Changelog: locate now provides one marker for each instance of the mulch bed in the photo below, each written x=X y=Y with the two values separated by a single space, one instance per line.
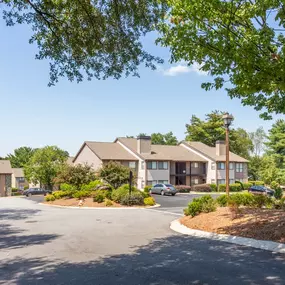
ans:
x=88 y=202
x=262 y=224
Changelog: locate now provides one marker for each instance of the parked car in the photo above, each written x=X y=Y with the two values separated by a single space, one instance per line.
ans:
x=163 y=189
x=260 y=190
x=36 y=191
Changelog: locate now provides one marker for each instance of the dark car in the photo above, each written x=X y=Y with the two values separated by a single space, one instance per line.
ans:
x=163 y=189
x=36 y=191
x=261 y=190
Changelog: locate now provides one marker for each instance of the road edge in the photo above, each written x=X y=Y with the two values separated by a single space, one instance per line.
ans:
x=260 y=244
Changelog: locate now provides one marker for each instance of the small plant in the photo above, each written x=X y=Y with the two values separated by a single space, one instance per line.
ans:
x=81 y=194
x=26 y=187
x=49 y=198
x=274 y=185
x=214 y=187
x=108 y=202
x=246 y=185
x=67 y=187
x=202 y=188
x=236 y=187
x=149 y=201
x=122 y=191
x=222 y=188
x=100 y=195
x=205 y=204
x=99 y=198
x=147 y=189
x=93 y=185
x=194 y=208
x=222 y=200
x=183 y=188
x=234 y=208
x=278 y=194
x=261 y=201
x=133 y=199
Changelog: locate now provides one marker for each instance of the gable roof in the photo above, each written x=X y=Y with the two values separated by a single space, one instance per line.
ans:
x=5 y=167
x=211 y=152
x=107 y=151
x=18 y=172
x=162 y=152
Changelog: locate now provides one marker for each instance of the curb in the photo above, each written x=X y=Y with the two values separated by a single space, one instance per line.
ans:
x=260 y=244
x=99 y=208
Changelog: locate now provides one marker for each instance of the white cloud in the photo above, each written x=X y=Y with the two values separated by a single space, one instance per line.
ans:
x=183 y=68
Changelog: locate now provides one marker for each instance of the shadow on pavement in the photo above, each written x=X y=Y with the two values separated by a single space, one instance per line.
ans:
x=18 y=214
x=169 y=261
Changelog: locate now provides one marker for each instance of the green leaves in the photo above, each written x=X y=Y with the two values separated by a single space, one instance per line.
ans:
x=164 y=139
x=240 y=42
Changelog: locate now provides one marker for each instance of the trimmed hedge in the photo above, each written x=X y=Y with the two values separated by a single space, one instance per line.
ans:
x=236 y=187
x=246 y=185
x=183 y=188
x=257 y=183
x=134 y=199
x=214 y=187
x=202 y=188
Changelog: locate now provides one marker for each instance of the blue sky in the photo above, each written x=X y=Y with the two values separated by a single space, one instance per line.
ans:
x=35 y=115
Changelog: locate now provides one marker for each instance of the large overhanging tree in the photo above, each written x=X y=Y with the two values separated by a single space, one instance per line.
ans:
x=239 y=42
x=93 y=38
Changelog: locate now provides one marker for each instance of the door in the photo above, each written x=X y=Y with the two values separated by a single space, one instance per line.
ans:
x=180 y=180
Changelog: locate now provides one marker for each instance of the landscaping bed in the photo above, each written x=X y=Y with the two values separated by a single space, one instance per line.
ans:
x=262 y=224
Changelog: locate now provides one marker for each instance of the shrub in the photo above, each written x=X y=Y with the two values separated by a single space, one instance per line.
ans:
x=67 y=187
x=149 y=201
x=16 y=193
x=261 y=201
x=202 y=188
x=133 y=199
x=222 y=188
x=14 y=189
x=183 y=188
x=118 y=194
x=222 y=200
x=147 y=189
x=193 y=209
x=279 y=204
x=257 y=183
x=247 y=185
x=62 y=194
x=99 y=198
x=204 y=204
x=234 y=207
x=108 y=202
x=213 y=187
x=100 y=195
x=236 y=187
x=26 y=187
x=93 y=185
x=236 y=199
x=145 y=195
x=247 y=199
x=49 y=197
x=81 y=194
x=274 y=185
x=278 y=193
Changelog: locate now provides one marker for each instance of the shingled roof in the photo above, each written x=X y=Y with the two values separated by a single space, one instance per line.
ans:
x=5 y=167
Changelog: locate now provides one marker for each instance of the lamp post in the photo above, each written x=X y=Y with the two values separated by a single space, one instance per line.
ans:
x=227 y=122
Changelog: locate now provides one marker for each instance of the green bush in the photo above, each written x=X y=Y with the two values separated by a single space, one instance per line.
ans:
x=108 y=202
x=222 y=200
x=100 y=195
x=133 y=199
x=16 y=193
x=279 y=204
x=274 y=185
x=193 y=209
x=62 y=194
x=183 y=188
x=257 y=183
x=67 y=187
x=145 y=194
x=246 y=185
x=147 y=189
x=278 y=193
x=81 y=194
x=26 y=187
x=99 y=198
x=202 y=188
x=261 y=201
x=205 y=204
x=49 y=197
x=214 y=187
x=222 y=188
x=93 y=185
x=236 y=187
x=247 y=199
x=149 y=201
x=118 y=194
x=236 y=199
x=14 y=189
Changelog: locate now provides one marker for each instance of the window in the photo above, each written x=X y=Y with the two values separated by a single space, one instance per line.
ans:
x=231 y=166
x=151 y=165
x=151 y=182
x=194 y=164
x=163 y=181
x=213 y=166
x=221 y=165
x=239 y=167
x=132 y=164
x=21 y=179
x=162 y=165
x=232 y=181
x=221 y=181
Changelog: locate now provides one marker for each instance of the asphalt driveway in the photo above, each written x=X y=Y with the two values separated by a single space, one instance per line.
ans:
x=45 y=245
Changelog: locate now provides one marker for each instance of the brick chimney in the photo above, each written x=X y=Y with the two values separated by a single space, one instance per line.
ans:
x=144 y=144
x=220 y=148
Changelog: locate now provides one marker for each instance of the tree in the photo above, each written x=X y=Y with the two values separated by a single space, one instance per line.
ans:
x=258 y=139
x=44 y=165
x=100 y=38
x=276 y=143
x=254 y=168
x=115 y=174
x=236 y=42
x=164 y=139
x=212 y=130
x=76 y=175
x=21 y=156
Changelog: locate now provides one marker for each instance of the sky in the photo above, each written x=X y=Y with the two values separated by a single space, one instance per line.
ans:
x=33 y=114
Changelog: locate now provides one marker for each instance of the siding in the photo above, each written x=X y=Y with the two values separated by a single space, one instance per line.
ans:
x=157 y=174
x=87 y=156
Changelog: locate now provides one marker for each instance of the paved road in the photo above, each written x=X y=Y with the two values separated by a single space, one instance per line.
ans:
x=45 y=245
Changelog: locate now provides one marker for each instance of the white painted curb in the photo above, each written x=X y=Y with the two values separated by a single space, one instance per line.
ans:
x=261 y=244
x=100 y=208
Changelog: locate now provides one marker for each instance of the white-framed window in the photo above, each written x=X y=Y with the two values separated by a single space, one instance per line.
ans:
x=231 y=165
x=221 y=181
x=213 y=166
x=151 y=182
x=194 y=164
x=163 y=181
x=132 y=164
x=239 y=167
x=151 y=165
x=221 y=166
x=162 y=165
x=142 y=165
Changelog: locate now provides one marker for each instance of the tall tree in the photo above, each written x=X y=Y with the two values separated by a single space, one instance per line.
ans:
x=164 y=139
x=21 y=156
x=276 y=143
x=212 y=129
x=240 y=42
x=100 y=38
x=45 y=164
x=258 y=139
